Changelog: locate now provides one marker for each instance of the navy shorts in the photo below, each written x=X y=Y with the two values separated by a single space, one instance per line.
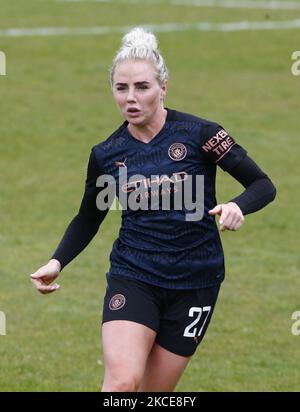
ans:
x=179 y=317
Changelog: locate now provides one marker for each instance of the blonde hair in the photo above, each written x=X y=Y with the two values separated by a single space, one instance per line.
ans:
x=139 y=44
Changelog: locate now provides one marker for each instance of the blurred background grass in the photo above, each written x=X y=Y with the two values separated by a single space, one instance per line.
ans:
x=56 y=104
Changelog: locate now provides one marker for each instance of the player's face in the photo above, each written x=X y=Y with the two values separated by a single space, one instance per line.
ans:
x=137 y=91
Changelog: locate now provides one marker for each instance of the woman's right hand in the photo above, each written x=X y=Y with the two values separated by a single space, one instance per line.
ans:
x=45 y=275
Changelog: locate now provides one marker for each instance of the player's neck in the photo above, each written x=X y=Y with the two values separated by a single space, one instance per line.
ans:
x=146 y=132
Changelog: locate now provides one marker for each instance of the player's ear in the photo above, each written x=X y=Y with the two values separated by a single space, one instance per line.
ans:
x=164 y=89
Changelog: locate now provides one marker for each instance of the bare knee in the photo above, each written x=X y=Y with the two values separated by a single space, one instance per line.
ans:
x=120 y=384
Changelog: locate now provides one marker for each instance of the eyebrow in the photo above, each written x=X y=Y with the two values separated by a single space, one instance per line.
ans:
x=136 y=84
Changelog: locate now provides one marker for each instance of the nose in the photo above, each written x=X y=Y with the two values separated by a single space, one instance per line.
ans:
x=131 y=95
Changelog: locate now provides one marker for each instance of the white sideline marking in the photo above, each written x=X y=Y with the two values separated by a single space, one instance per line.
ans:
x=84 y=1
x=167 y=27
x=238 y=4
x=231 y=4
x=108 y=1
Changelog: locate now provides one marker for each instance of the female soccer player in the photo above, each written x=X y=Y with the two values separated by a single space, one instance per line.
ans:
x=167 y=264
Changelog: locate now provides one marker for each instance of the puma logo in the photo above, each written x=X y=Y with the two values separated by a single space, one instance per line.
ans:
x=120 y=163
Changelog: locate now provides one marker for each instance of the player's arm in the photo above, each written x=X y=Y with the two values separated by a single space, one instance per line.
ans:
x=78 y=234
x=259 y=189
x=231 y=157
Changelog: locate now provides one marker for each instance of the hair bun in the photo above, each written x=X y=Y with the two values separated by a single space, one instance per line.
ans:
x=140 y=38
x=140 y=44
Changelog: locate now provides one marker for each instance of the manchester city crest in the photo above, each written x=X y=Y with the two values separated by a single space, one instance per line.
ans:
x=177 y=151
x=117 y=302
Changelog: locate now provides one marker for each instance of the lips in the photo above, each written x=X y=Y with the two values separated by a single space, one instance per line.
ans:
x=132 y=110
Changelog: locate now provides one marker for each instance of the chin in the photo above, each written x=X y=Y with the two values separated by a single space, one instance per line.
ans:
x=136 y=121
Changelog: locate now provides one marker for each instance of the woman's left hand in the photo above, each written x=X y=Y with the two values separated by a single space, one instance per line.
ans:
x=231 y=218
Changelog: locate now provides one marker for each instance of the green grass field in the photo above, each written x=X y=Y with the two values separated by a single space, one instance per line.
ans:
x=56 y=104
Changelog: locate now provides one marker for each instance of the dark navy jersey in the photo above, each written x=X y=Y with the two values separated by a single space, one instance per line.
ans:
x=160 y=246
x=156 y=245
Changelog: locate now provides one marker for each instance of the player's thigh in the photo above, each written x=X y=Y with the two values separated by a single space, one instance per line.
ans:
x=163 y=370
x=130 y=324
x=126 y=346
